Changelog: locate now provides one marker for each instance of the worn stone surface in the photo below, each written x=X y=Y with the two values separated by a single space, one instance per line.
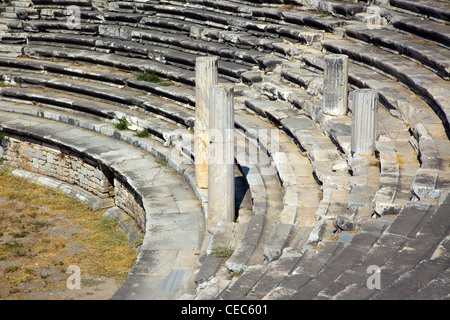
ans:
x=278 y=54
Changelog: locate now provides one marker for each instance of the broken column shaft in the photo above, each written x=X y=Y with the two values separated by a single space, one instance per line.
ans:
x=205 y=78
x=364 y=120
x=335 y=85
x=221 y=187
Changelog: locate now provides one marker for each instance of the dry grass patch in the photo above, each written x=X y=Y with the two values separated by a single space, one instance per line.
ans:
x=42 y=232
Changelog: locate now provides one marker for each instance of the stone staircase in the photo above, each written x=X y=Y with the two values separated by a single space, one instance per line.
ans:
x=312 y=218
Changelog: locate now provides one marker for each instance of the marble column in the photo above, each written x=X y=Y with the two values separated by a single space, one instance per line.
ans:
x=221 y=186
x=205 y=78
x=364 y=120
x=335 y=88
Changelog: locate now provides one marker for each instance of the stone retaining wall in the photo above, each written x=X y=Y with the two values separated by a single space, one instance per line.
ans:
x=57 y=162
x=129 y=201
x=71 y=167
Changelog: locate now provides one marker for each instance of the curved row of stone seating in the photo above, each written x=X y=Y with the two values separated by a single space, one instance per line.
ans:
x=428 y=53
x=272 y=88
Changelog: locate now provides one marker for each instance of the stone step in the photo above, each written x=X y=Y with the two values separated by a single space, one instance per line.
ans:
x=314 y=20
x=430 y=184
x=238 y=288
x=166 y=23
x=101 y=16
x=435 y=289
x=9 y=15
x=424 y=28
x=151 y=43
x=431 y=156
x=64 y=25
x=338 y=264
x=205 y=47
x=308 y=80
x=403 y=241
x=81 y=3
x=394 y=191
x=343 y=9
x=412 y=281
x=427 y=53
x=10 y=50
x=270 y=28
x=277 y=271
x=353 y=282
x=127 y=6
x=328 y=167
x=266 y=20
x=429 y=232
x=212 y=35
x=431 y=8
x=225 y=7
x=21 y=4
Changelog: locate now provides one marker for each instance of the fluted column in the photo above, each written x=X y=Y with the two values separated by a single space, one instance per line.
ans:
x=205 y=78
x=364 y=120
x=221 y=186
x=335 y=85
